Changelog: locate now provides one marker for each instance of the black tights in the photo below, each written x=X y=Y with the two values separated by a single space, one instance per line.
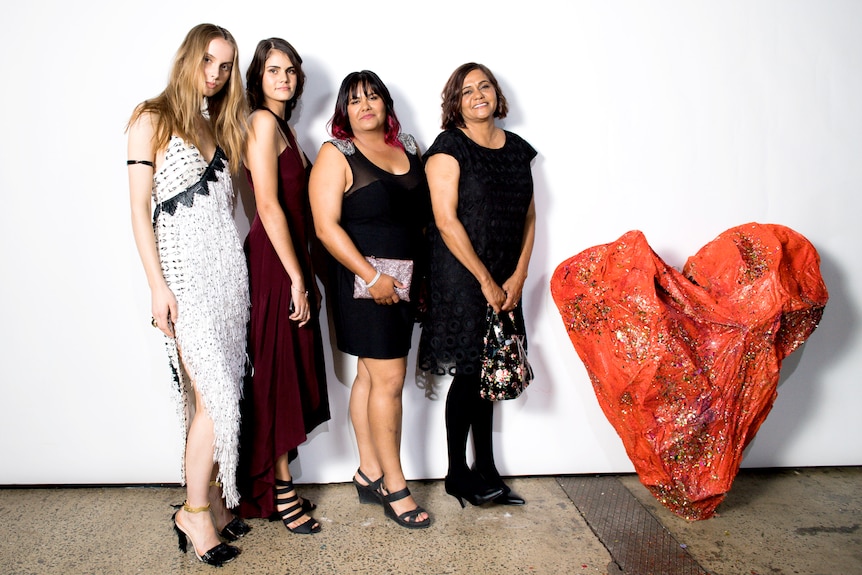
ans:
x=465 y=409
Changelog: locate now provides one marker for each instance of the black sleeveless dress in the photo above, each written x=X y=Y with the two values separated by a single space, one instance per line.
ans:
x=384 y=215
x=494 y=193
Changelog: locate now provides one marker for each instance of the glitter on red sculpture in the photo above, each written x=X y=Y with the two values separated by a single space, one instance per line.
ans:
x=685 y=365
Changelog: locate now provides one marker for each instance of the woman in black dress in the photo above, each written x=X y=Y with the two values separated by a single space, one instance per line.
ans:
x=481 y=187
x=369 y=197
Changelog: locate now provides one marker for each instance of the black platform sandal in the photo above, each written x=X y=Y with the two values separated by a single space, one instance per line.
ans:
x=406 y=519
x=217 y=556
x=369 y=493
x=295 y=511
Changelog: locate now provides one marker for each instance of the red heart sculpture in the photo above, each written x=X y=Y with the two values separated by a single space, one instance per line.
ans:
x=686 y=365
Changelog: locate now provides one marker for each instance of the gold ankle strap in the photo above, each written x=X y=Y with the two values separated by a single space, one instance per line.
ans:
x=188 y=509
x=215 y=483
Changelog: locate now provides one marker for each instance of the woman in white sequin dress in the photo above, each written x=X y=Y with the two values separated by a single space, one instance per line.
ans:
x=180 y=144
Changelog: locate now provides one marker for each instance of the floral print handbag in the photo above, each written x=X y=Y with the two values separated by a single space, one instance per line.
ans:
x=506 y=371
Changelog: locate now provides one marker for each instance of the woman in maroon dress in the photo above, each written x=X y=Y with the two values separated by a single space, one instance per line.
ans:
x=286 y=397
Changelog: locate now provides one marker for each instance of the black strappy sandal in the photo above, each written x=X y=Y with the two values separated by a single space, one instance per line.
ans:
x=369 y=493
x=217 y=556
x=408 y=518
x=236 y=527
x=283 y=490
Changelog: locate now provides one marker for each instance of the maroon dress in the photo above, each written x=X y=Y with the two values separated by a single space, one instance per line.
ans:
x=286 y=396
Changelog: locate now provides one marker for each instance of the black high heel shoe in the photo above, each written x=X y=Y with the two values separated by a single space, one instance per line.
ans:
x=217 y=556
x=507 y=496
x=472 y=488
x=295 y=511
x=369 y=493
x=236 y=527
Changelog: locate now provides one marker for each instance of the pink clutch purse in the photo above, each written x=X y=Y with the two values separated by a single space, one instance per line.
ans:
x=401 y=270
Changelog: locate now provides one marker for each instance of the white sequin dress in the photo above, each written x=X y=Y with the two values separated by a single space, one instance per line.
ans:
x=204 y=265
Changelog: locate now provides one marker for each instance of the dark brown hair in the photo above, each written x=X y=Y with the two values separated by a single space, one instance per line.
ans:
x=451 y=105
x=369 y=83
x=254 y=74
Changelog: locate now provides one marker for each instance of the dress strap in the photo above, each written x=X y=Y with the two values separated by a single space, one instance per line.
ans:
x=282 y=123
x=145 y=162
x=288 y=136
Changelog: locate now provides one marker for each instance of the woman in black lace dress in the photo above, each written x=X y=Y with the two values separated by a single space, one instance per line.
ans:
x=369 y=197
x=481 y=188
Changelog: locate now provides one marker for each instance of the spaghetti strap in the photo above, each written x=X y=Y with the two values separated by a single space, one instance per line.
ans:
x=283 y=126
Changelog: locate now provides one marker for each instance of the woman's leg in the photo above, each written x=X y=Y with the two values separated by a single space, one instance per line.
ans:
x=466 y=410
x=199 y=467
x=369 y=462
x=221 y=514
x=459 y=408
x=483 y=431
x=384 y=419
x=483 y=444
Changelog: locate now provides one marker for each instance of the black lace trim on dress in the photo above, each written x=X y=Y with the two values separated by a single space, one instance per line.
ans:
x=201 y=187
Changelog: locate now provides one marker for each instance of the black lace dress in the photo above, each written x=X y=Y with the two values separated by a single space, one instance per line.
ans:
x=385 y=215
x=494 y=193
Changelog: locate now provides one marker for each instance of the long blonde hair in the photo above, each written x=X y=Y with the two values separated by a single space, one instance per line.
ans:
x=177 y=108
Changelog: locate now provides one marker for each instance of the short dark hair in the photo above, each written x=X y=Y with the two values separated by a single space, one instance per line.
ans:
x=370 y=83
x=451 y=105
x=254 y=74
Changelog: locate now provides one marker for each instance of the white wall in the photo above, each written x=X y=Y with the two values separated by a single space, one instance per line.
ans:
x=681 y=119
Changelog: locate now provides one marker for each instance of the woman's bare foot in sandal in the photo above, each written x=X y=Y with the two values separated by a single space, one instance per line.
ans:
x=400 y=506
x=197 y=525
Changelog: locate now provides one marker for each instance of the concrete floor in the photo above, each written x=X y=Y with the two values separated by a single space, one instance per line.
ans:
x=777 y=522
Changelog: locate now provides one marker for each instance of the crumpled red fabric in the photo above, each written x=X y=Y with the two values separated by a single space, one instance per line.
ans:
x=686 y=365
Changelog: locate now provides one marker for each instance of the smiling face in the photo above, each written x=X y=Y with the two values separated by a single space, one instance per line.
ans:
x=279 y=78
x=478 y=97
x=366 y=111
x=217 y=66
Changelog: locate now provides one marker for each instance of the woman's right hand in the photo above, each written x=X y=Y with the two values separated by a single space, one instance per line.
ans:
x=494 y=295
x=165 y=312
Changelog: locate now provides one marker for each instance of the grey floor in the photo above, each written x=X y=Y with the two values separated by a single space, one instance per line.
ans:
x=773 y=522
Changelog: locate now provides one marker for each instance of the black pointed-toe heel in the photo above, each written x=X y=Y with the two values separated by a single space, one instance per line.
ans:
x=217 y=556
x=507 y=496
x=470 y=487
x=368 y=493
x=283 y=496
